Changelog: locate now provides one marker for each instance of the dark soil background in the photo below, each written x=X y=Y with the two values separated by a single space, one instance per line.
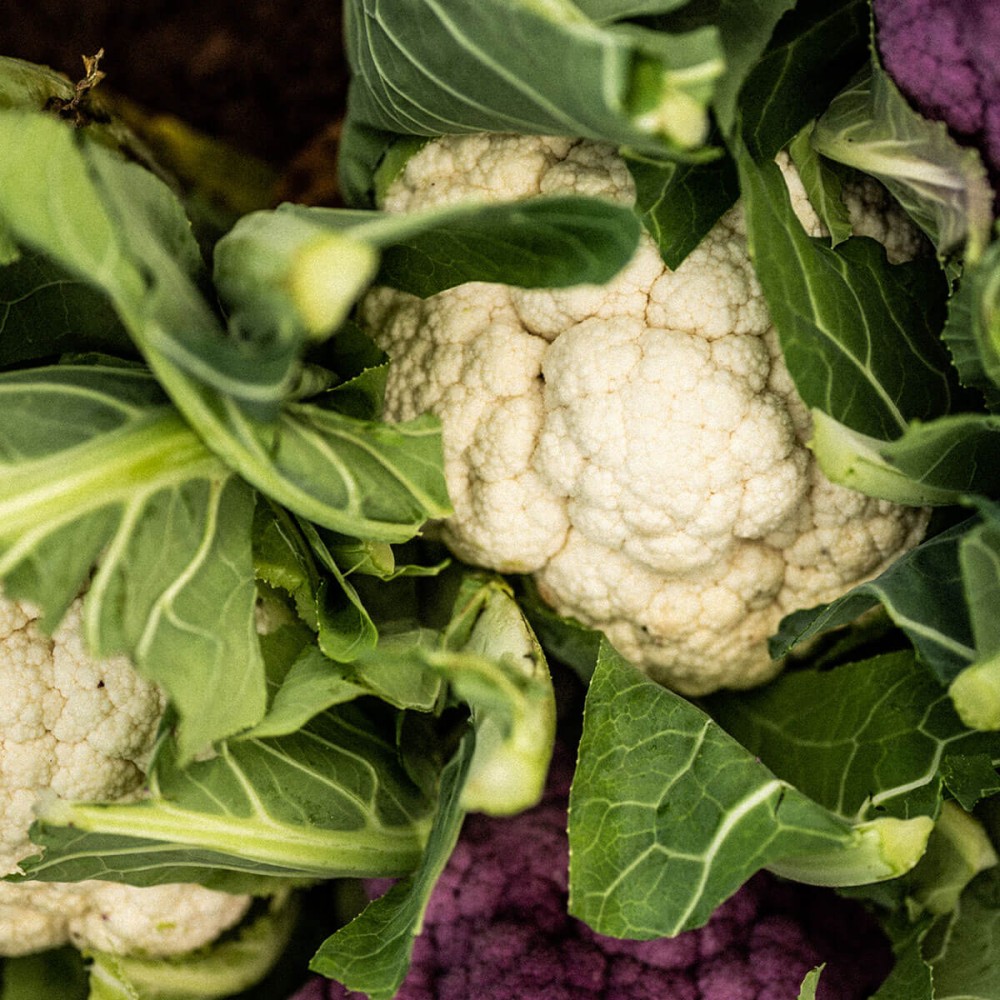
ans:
x=268 y=77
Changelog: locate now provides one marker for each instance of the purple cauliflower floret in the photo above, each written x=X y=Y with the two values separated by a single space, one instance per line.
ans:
x=497 y=929
x=945 y=57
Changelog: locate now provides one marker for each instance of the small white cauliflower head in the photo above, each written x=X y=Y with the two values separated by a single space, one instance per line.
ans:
x=158 y=921
x=638 y=447
x=82 y=729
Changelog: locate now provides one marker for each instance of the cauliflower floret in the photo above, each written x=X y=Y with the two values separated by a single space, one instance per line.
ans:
x=82 y=728
x=638 y=446
x=157 y=921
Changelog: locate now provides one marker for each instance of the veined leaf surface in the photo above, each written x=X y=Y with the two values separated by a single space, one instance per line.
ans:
x=98 y=469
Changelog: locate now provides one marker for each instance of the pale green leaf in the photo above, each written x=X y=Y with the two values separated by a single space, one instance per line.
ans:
x=942 y=185
x=97 y=468
x=328 y=801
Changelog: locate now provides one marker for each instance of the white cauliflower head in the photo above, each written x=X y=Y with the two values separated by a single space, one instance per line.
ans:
x=639 y=447
x=82 y=729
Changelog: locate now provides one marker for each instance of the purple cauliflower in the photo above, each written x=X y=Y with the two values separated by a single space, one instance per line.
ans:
x=945 y=57
x=497 y=929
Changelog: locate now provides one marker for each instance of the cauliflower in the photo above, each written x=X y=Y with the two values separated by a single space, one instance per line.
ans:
x=497 y=927
x=639 y=446
x=82 y=729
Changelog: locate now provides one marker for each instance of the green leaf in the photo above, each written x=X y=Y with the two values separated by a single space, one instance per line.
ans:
x=604 y=11
x=745 y=28
x=680 y=202
x=807 y=991
x=96 y=468
x=282 y=275
x=534 y=243
x=58 y=973
x=860 y=336
x=429 y=68
x=976 y=691
x=970 y=778
x=564 y=639
x=879 y=754
x=942 y=185
x=965 y=968
x=45 y=312
x=311 y=686
x=957 y=851
x=910 y=978
x=972 y=332
x=922 y=593
x=372 y=953
x=815 y=49
x=115 y=225
x=934 y=463
x=669 y=815
x=220 y=971
x=497 y=667
x=328 y=801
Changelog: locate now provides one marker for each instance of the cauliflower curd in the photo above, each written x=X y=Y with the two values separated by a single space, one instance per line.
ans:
x=82 y=729
x=638 y=447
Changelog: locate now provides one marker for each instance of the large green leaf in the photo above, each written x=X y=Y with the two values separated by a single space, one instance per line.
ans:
x=97 y=469
x=812 y=54
x=422 y=67
x=492 y=663
x=963 y=964
x=327 y=801
x=115 y=225
x=860 y=336
x=669 y=815
x=879 y=753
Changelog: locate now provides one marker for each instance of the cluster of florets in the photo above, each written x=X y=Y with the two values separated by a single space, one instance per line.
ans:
x=497 y=926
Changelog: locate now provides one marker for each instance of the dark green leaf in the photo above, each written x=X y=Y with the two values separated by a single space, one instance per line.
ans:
x=130 y=238
x=878 y=753
x=966 y=967
x=860 y=336
x=815 y=50
x=972 y=332
x=970 y=777
x=59 y=974
x=921 y=591
x=931 y=463
x=679 y=203
x=45 y=312
x=427 y=68
x=823 y=186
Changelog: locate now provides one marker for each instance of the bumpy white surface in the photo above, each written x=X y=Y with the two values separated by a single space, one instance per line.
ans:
x=639 y=447
x=81 y=729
